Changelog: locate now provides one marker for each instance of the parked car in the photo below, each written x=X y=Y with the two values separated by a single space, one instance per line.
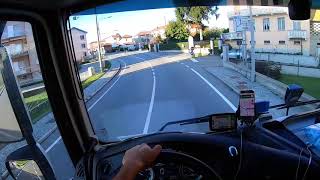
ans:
x=236 y=54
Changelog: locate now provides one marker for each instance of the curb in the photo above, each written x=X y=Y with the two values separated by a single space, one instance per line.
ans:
x=99 y=89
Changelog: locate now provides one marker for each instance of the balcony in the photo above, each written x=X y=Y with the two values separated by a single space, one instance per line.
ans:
x=297 y=34
x=232 y=36
x=19 y=54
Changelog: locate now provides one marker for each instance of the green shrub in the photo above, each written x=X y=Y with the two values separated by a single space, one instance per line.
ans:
x=269 y=69
x=174 y=46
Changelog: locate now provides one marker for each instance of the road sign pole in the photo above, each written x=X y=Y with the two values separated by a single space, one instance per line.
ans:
x=99 y=46
x=253 y=42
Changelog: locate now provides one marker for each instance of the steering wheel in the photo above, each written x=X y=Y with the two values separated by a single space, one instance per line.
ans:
x=177 y=165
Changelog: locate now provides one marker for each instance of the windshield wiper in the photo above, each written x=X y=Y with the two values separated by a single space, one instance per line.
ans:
x=188 y=121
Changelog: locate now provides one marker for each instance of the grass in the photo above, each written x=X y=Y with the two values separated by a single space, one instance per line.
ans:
x=311 y=85
x=40 y=99
x=91 y=79
x=42 y=110
x=36 y=99
x=21 y=163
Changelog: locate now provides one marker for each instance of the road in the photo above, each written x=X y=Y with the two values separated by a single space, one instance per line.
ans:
x=151 y=89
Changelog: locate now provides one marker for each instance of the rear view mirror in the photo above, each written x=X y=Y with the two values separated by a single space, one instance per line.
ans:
x=29 y=162
x=222 y=122
x=25 y=169
x=299 y=9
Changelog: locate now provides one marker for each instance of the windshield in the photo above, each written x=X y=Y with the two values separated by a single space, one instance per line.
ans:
x=141 y=69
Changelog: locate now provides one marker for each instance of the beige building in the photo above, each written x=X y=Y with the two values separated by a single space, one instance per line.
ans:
x=79 y=43
x=18 y=39
x=274 y=32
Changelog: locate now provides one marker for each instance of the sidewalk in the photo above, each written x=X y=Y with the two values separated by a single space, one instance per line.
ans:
x=91 y=90
x=236 y=81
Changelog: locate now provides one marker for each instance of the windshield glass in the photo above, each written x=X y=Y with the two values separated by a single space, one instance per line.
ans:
x=141 y=69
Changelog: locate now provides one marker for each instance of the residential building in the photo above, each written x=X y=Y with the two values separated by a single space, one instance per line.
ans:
x=274 y=32
x=126 y=40
x=79 y=43
x=143 y=38
x=18 y=39
x=159 y=31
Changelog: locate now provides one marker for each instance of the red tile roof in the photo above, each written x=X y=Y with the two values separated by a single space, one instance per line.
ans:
x=126 y=36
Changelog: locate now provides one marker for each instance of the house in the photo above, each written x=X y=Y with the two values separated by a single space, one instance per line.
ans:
x=274 y=32
x=193 y=28
x=159 y=31
x=126 y=40
x=79 y=40
x=143 y=38
x=17 y=37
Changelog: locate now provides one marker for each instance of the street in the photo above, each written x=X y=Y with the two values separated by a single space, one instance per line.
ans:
x=151 y=90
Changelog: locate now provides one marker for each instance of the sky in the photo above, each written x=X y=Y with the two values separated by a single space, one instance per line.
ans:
x=132 y=22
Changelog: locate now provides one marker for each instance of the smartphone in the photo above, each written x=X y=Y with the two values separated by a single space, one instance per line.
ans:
x=247 y=101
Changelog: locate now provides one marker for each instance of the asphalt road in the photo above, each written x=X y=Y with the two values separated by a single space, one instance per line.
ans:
x=151 y=89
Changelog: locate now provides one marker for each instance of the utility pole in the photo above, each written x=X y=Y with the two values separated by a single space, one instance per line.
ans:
x=99 y=47
x=253 y=42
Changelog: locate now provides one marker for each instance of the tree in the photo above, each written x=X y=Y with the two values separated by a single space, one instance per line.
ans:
x=176 y=30
x=195 y=15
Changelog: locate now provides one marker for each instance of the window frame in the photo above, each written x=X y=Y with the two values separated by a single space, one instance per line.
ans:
x=266 y=21
x=69 y=111
x=281 y=23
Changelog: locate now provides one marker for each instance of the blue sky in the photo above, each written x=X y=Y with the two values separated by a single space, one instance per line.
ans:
x=132 y=22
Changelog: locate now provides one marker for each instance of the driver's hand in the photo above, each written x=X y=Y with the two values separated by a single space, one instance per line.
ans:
x=141 y=156
x=137 y=159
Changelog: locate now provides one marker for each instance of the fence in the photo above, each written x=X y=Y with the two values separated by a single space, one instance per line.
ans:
x=298 y=60
x=37 y=111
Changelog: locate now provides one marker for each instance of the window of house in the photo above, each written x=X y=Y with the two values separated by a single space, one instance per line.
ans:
x=282 y=42
x=296 y=42
x=266 y=42
x=83 y=45
x=296 y=25
x=281 y=24
x=81 y=37
x=266 y=24
x=84 y=53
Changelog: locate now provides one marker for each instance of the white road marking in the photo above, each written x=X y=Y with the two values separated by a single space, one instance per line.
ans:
x=216 y=90
x=194 y=60
x=53 y=144
x=125 y=65
x=59 y=138
x=187 y=66
x=147 y=123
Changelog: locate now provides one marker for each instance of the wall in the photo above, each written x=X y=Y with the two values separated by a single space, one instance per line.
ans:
x=79 y=51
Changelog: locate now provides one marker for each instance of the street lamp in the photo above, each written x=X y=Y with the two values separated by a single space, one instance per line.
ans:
x=99 y=47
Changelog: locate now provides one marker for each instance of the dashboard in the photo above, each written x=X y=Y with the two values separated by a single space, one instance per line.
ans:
x=268 y=150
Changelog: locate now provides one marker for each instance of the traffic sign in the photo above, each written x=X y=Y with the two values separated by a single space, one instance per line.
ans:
x=241 y=23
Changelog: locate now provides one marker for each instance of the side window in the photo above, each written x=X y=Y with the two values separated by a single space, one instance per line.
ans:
x=18 y=40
